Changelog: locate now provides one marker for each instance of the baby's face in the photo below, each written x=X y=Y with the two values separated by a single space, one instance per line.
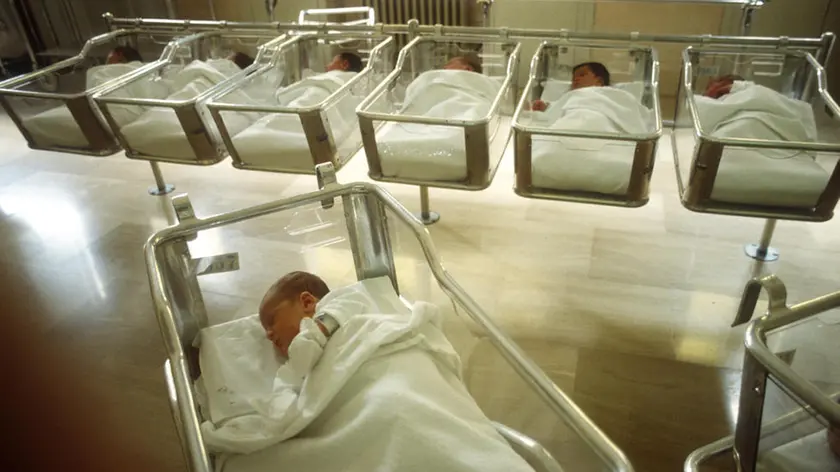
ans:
x=115 y=58
x=282 y=322
x=584 y=77
x=337 y=63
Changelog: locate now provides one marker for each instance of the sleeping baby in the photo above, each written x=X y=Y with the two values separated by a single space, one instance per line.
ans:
x=380 y=388
x=587 y=74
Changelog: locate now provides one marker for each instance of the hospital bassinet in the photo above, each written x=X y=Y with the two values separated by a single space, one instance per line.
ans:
x=790 y=386
x=744 y=175
x=347 y=233
x=296 y=138
x=587 y=166
x=53 y=107
x=440 y=152
x=177 y=128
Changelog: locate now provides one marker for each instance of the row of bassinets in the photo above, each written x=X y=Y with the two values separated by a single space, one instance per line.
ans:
x=454 y=129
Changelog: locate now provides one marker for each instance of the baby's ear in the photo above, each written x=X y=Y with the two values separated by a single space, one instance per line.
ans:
x=308 y=300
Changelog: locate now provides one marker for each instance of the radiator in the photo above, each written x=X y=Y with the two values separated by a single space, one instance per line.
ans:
x=427 y=12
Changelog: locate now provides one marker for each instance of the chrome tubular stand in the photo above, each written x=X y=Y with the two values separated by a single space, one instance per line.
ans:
x=161 y=187
x=426 y=216
x=763 y=251
x=747 y=12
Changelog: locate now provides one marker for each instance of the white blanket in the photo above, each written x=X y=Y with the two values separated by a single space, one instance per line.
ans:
x=158 y=132
x=279 y=140
x=585 y=164
x=769 y=176
x=435 y=152
x=57 y=127
x=384 y=394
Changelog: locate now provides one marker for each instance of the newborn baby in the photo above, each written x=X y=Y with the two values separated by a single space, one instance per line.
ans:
x=287 y=303
x=347 y=62
x=587 y=74
x=468 y=62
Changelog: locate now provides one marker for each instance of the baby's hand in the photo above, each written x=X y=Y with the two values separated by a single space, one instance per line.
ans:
x=538 y=105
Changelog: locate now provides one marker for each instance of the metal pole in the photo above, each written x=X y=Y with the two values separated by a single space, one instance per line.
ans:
x=170 y=9
x=762 y=251
x=426 y=216
x=746 y=19
x=460 y=31
x=161 y=187
x=21 y=30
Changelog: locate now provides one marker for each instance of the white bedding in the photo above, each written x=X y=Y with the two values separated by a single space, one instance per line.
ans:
x=279 y=138
x=384 y=394
x=57 y=127
x=157 y=132
x=765 y=177
x=587 y=164
x=425 y=152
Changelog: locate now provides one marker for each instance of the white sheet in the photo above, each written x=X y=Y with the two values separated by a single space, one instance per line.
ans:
x=425 y=152
x=57 y=127
x=385 y=385
x=586 y=164
x=157 y=132
x=279 y=139
x=765 y=177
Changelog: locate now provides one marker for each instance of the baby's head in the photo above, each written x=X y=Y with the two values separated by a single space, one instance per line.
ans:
x=590 y=74
x=720 y=86
x=468 y=62
x=241 y=59
x=346 y=61
x=123 y=55
x=286 y=303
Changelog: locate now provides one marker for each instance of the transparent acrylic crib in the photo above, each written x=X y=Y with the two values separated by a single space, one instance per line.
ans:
x=347 y=233
x=807 y=188
x=790 y=386
x=484 y=139
x=197 y=142
x=313 y=134
x=633 y=68
x=63 y=86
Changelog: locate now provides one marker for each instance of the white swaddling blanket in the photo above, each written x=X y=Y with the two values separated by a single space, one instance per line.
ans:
x=426 y=152
x=57 y=127
x=385 y=384
x=280 y=137
x=158 y=132
x=764 y=176
x=586 y=164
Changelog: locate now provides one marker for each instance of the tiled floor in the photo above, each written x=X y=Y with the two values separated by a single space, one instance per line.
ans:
x=628 y=310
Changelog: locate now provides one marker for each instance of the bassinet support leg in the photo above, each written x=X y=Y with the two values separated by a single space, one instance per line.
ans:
x=161 y=187
x=763 y=251
x=427 y=216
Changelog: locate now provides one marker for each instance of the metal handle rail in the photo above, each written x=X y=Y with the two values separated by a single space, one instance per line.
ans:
x=419 y=119
x=822 y=90
x=164 y=60
x=759 y=363
x=329 y=100
x=702 y=454
x=369 y=11
x=509 y=33
x=534 y=76
x=8 y=86
x=156 y=259
x=268 y=50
